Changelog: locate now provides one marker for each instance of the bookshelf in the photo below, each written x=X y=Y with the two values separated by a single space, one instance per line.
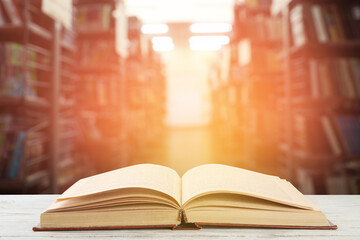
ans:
x=101 y=39
x=225 y=80
x=145 y=97
x=251 y=81
x=38 y=134
x=321 y=53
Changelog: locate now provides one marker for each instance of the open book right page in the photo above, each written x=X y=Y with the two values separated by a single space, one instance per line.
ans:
x=217 y=178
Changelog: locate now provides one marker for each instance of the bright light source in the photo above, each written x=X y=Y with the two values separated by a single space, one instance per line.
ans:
x=208 y=43
x=162 y=44
x=161 y=40
x=210 y=27
x=205 y=47
x=222 y=40
x=164 y=48
x=154 y=28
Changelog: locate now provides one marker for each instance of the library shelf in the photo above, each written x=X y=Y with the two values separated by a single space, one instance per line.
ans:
x=344 y=49
x=300 y=100
x=34 y=102
x=96 y=69
x=99 y=34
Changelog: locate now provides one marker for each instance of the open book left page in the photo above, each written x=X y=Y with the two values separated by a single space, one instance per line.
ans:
x=139 y=195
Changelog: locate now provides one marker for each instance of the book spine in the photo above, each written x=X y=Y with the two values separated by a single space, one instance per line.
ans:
x=331 y=137
x=330 y=24
x=347 y=79
x=2 y=17
x=297 y=26
x=12 y=12
x=318 y=21
x=340 y=27
x=17 y=156
x=314 y=78
x=355 y=67
x=354 y=16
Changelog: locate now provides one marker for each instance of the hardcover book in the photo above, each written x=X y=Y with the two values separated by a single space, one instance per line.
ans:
x=153 y=196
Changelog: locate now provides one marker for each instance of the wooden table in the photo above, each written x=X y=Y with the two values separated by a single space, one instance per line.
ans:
x=19 y=213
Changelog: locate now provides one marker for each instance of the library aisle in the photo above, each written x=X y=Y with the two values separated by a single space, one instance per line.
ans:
x=89 y=86
x=196 y=148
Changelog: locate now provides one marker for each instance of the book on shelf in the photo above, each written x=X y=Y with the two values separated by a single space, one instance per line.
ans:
x=298 y=31
x=153 y=196
x=264 y=28
x=328 y=77
x=16 y=79
x=258 y=3
x=11 y=11
x=258 y=57
x=337 y=184
x=324 y=23
x=316 y=135
x=258 y=27
x=19 y=146
x=94 y=17
x=18 y=155
x=95 y=53
x=2 y=17
x=354 y=183
x=12 y=154
x=349 y=127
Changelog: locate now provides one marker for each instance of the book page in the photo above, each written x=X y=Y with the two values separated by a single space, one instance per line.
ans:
x=149 y=176
x=214 y=178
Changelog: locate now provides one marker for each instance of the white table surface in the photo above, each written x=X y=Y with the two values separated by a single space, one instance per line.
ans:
x=19 y=213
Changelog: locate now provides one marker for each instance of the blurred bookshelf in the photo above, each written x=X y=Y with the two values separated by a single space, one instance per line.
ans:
x=76 y=100
x=145 y=96
x=101 y=70
x=285 y=93
x=35 y=82
x=321 y=143
x=251 y=82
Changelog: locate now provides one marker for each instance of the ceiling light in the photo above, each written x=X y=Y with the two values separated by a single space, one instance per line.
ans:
x=154 y=28
x=210 y=27
x=162 y=44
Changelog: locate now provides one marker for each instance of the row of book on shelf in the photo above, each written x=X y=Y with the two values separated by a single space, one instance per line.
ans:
x=324 y=23
x=328 y=77
x=325 y=135
x=264 y=28
x=334 y=183
x=96 y=17
x=260 y=57
x=17 y=144
x=97 y=52
x=102 y=89
x=16 y=79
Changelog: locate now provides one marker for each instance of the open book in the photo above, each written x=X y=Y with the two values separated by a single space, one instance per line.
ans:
x=147 y=195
